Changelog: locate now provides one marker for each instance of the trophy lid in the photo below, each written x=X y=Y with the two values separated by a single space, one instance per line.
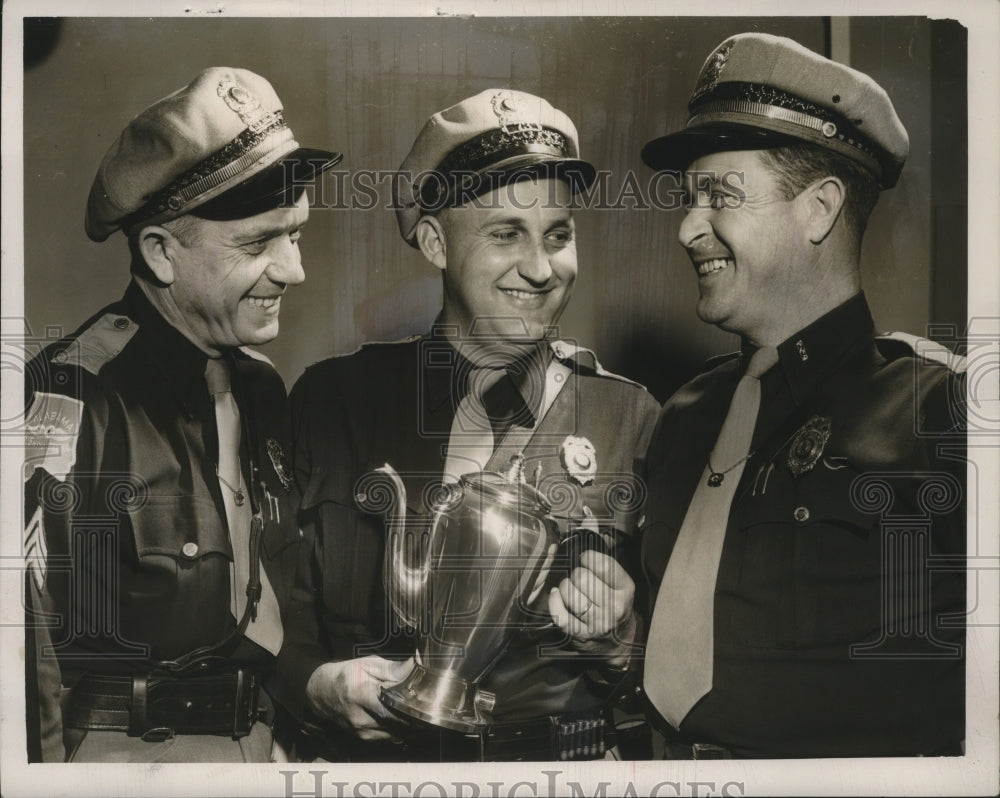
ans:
x=509 y=488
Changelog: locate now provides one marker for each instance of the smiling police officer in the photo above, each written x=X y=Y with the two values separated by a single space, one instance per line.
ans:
x=160 y=527
x=796 y=614
x=485 y=194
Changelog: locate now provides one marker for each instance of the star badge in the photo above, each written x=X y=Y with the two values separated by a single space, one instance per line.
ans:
x=808 y=444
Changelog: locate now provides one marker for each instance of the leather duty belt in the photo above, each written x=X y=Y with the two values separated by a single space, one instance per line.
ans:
x=578 y=736
x=556 y=737
x=696 y=751
x=155 y=707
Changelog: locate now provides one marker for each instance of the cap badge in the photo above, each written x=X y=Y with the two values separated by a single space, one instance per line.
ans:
x=709 y=77
x=579 y=458
x=511 y=113
x=807 y=445
x=280 y=463
x=246 y=106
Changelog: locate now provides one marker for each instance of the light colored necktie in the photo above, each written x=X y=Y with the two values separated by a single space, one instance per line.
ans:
x=265 y=629
x=470 y=442
x=679 y=653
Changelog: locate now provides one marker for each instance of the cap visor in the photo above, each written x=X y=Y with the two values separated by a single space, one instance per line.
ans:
x=278 y=186
x=675 y=152
x=578 y=173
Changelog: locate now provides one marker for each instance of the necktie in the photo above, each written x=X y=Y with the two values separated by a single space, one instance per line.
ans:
x=679 y=653
x=470 y=442
x=265 y=629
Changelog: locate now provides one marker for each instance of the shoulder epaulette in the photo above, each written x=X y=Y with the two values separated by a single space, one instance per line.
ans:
x=926 y=349
x=367 y=345
x=409 y=339
x=581 y=355
x=99 y=344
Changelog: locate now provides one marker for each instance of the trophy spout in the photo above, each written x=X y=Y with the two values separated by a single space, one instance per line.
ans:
x=406 y=567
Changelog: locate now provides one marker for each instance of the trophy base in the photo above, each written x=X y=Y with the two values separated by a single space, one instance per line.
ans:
x=441 y=699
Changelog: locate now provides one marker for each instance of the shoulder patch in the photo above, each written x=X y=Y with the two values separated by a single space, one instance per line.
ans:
x=51 y=428
x=927 y=349
x=33 y=543
x=99 y=344
x=585 y=357
x=255 y=355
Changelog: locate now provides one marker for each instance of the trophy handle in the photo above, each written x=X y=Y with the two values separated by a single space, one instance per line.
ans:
x=406 y=566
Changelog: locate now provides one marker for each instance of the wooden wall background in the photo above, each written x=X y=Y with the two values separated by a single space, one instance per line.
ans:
x=365 y=86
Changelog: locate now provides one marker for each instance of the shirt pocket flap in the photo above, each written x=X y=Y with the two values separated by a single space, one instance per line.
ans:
x=183 y=527
x=824 y=495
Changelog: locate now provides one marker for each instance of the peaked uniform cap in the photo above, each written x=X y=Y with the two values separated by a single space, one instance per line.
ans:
x=478 y=145
x=757 y=91
x=222 y=130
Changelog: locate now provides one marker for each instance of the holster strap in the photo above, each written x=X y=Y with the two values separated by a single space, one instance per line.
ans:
x=137 y=709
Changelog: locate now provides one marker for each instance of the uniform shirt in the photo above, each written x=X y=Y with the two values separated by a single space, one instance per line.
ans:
x=394 y=403
x=818 y=533
x=126 y=535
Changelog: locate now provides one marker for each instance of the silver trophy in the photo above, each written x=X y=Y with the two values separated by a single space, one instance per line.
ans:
x=464 y=578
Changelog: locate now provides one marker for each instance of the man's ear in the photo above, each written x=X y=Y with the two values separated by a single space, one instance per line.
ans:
x=157 y=245
x=431 y=240
x=825 y=200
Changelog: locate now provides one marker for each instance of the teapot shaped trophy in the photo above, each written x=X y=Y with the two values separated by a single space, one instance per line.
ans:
x=465 y=582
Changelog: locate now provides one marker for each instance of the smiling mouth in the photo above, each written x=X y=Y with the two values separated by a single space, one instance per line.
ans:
x=713 y=266
x=523 y=295
x=266 y=303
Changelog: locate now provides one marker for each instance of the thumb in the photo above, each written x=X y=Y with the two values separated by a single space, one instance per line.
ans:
x=399 y=670
x=382 y=669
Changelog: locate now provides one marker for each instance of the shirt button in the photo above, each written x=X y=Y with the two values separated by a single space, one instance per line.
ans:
x=801 y=513
x=121 y=323
x=190 y=549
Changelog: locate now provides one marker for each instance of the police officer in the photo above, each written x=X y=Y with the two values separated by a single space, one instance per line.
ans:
x=160 y=530
x=792 y=614
x=485 y=196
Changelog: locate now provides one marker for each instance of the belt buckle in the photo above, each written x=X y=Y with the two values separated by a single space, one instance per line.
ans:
x=710 y=751
x=245 y=703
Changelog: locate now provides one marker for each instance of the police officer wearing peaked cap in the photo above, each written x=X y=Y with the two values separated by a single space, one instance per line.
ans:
x=160 y=532
x=775 y=475
x=485 y=195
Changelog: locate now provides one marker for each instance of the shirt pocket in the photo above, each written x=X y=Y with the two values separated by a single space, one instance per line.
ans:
x=172 y=530
x=352 y=547
x=808 y=570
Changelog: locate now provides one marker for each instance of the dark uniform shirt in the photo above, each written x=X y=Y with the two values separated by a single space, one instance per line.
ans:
x=126 y=535
x=394 y=403
x=842 y=558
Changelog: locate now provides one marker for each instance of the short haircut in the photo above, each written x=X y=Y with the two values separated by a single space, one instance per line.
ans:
x=184 y=228
x=797 y=166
